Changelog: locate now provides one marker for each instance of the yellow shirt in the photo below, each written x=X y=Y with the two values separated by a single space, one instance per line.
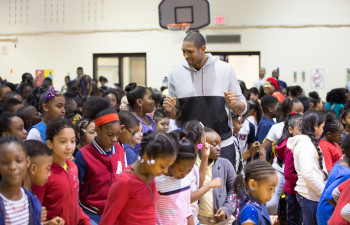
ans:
x=65 y=167
x=206 y=203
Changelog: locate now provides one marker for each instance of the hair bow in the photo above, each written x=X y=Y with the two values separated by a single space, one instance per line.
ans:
x=51 y=93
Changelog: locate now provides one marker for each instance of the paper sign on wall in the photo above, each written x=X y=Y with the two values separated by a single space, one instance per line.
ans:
x=40 y=75
x=317 y=78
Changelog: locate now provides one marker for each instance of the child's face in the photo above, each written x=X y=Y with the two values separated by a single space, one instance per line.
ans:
x=319 y=106
x=253 y=97
x=214 y=140
x=108 y=134
x=161 y=164
x=264 y=189
x=295 y=131
x=13 y=164
x=346 y=120
x=34 y=116
x=163 y=124
x=273 y=110
x=147 y=102
x=237 y=125
x=17 y=128
x=124 y=104
x=138 y=136
x=335 y=136
x=40 y=169
x=298 y=107
x=89 y=134
x=126 y=134
x=181 y=168
x=63 y=144
x=112 y=100
x=319 y=130
x=55 y=107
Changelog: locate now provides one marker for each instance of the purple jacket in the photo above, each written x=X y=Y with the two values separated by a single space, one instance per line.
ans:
x=291 y=176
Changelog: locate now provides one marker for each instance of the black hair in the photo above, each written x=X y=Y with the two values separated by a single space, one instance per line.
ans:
x=209 y=130
x=47 y=81
x=23 y=85
x=10 y=103
x=256 y=107
x=257 y=170
x=291 y=121
x=36 y=148
x=244 y=89
x=185 y=145
x=343 y=115
x=305 y=101
x=159 y=114
x=70 y=113
x=156 y=96
x=336 y=96
x=5 y=118
x=102 y=79
x=310 y=119
x=25 y=76
x=196 y=38
x=24 y=115
x=155 y=144
x=128 y=119
x=11 y=86
x=329 y=112
x=295 y=91
x=254 y=90
x=94 y=105
x=346 y=146
x=267 y=102
x=55 y=126
x=287 y=106
x=67 y=77
x=80 y=68
x=9 y=95
x=162 y=88
x=332 y=124
x=80 y=127
x=194 y=130
x=70 y=102
x=80 y=101
x=3 y=86
x=34 y=97
x=134 y=92
x=314 y=98
x=9 y=139
x=113 y=92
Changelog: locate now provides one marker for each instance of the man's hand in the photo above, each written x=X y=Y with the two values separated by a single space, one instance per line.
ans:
x=169 y=103
x=220 y=214
x=231 y=99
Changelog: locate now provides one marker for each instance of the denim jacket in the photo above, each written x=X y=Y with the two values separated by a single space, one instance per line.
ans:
x=263 y=215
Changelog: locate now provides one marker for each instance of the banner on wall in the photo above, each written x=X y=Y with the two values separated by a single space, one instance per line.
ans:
x=317 y=78
x=40 y=75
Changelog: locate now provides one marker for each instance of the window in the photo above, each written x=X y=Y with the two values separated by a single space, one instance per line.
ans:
x=121 y=69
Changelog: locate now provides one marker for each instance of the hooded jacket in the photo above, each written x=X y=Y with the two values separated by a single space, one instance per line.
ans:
x=311 y=181
x=201 y=94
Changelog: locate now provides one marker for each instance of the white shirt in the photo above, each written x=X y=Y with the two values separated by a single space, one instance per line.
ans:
x=16 y=212
x=34 y=134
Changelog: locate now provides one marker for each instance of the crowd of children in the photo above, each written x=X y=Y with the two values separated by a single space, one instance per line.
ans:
x=112 y=156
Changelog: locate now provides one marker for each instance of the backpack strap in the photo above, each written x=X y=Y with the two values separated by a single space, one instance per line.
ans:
x=149 y=188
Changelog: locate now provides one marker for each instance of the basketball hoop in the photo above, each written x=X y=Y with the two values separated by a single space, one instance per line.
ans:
x=179 y=27
x=178 y=31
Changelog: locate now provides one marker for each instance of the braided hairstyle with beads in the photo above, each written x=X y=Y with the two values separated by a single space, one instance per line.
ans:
x=310 y=119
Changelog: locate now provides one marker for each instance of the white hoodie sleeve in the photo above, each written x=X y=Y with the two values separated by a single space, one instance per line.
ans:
x=307 y=159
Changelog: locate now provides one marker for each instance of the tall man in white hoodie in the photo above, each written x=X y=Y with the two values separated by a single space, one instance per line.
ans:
x=206 y=89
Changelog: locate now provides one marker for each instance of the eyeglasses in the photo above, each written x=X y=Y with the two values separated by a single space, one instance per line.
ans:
x=131 y=132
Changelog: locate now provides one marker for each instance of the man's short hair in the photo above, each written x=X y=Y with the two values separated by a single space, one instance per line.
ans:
x=196 y=38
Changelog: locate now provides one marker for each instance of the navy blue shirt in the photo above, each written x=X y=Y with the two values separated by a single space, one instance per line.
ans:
x=264 y=128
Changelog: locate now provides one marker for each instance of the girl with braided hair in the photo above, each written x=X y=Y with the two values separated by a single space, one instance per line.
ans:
x=333 y=132
x=256 y=188
x=309 y=164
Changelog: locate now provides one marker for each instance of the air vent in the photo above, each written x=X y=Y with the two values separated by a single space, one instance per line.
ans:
x=223 y=38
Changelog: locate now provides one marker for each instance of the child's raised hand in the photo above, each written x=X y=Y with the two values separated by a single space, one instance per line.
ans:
x=274 y=219
x=220 y=214
x=231 y=98
x=255 y=148
x=205 y=151
x=215 y=183
x=43 y=214
x=55 y=221
x=169 y=103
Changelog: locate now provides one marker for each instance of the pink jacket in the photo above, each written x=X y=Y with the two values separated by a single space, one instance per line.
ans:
x=291 y=176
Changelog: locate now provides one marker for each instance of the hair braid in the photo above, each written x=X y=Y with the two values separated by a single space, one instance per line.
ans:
x=319 y=152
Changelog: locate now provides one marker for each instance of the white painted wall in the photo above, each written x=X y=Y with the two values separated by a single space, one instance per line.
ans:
x=290 y=49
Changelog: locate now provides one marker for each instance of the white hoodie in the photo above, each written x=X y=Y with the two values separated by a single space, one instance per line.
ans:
x=310 y=182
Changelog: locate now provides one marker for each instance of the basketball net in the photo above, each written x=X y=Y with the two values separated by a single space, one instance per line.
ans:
x=178 y=31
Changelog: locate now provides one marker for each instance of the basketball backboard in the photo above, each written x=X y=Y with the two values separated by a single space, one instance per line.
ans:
x=195 y=12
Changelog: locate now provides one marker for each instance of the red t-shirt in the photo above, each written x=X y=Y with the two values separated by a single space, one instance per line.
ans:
x=130 y=202
x=344 y=189
x=331 y=153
